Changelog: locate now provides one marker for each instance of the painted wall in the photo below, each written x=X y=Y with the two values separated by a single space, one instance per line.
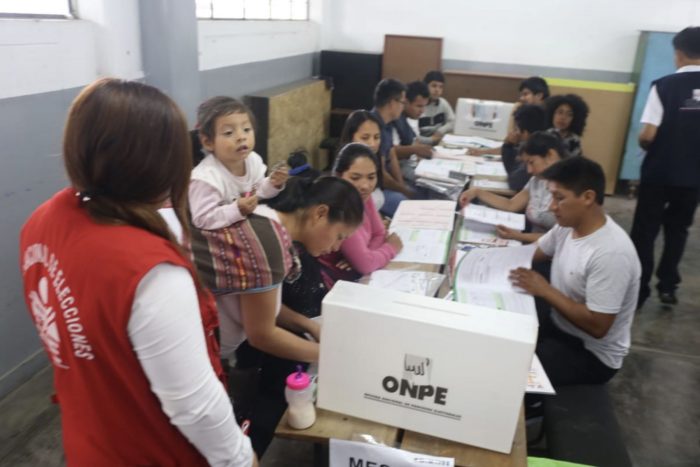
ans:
x=555 y=35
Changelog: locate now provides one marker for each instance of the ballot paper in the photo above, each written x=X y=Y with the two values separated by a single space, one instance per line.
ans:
x=433 y=215
x=537 y=380
x=424 y=246
x=425 y=228
x=494 y=185
x=414 y=282
x=491 y=216
x=491 y=169
x=482 y=279
x=482 y=234
x=454 y=172
x=470 y=141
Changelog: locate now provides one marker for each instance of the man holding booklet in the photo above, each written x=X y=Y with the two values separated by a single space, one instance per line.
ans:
x=594 y=280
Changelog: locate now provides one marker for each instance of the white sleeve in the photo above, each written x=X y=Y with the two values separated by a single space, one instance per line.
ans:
x=607 y=281
x=548 y=242
x=166 y=332
x=653 y=110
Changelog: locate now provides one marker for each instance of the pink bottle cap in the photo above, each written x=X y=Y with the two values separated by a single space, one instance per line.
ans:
x=298 y=380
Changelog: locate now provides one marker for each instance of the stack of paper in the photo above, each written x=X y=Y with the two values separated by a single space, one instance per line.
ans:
x=490 y=216
x=456 y=141
x=493 y=170
x=425 y=228
x=482 y=279
x=446 y=171
x=492 y=185
x=482 y=234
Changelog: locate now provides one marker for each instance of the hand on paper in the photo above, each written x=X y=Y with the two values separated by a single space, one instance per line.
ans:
x=247 y=204
x=437 y=137
x=506 y=232
x=395 y=241
x=387 y=222
x=467 y=196
x=279 y=176
x=424 y=151
x=477 y=151
x=529 y=280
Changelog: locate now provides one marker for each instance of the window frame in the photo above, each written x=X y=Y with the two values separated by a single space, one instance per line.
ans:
x=71 y=13
x=213 y=18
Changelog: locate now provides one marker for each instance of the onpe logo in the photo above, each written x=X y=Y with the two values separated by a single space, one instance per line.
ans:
x=415 y=382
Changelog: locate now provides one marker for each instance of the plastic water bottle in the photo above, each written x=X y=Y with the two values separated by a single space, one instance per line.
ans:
x=299 y=393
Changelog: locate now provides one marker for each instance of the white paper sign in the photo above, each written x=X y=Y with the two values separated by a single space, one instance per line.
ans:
x=355 y=454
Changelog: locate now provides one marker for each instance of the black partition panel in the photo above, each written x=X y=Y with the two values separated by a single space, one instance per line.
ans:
x=354 y=77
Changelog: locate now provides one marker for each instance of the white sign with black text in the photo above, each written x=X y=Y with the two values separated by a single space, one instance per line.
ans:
x=356 y=454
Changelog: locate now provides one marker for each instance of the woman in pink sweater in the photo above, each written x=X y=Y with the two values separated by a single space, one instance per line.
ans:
x=369 y=248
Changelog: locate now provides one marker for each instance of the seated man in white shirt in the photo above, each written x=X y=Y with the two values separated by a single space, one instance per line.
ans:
x=594 y=280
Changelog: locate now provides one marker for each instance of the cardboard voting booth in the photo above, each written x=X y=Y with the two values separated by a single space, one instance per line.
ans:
x=446 y=369
x=475 y=117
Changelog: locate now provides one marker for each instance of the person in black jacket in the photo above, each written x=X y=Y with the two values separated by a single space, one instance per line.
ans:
x=670 y=175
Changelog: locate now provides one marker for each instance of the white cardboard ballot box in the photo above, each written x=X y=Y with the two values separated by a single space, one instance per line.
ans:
x=476 y=117
x=442 y=368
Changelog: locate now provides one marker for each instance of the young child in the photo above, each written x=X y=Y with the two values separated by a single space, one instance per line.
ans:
x=226 y=185
x=566 y=115
x=438 y=119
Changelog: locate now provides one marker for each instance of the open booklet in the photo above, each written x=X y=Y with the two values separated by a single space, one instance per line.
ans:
x=491 y=216
x=425 y=228
x=481 y=278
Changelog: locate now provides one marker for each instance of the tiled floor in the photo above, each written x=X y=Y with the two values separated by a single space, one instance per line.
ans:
x=655 y=394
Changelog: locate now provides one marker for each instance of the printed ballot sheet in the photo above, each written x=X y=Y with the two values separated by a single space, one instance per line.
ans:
x=491 y=169
x=482 y=278
x=487 y=184
x=470 y=141
x=537 y=380
x=433 y=215
x=422 y=245
x=487 y=215
x=482 y=234
x=455 y=172
x=425 y=228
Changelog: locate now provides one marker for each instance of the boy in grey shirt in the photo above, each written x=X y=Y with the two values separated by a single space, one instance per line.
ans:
x=438 y=118
x=595 y=280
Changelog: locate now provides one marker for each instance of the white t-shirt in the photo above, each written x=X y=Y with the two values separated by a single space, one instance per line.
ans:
x=537 y=210
x=602 y=271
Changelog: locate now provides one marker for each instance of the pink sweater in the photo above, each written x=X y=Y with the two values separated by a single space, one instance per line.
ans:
x=366 y=249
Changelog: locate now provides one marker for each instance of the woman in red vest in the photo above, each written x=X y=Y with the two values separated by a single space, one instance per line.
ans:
x=127 y=325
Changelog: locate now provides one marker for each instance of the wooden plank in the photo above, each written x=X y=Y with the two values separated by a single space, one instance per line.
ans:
x=409 y=58
x=471 y=456
x=334 y=425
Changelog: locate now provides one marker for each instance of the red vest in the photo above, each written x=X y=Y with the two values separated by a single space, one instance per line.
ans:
x=80 y=278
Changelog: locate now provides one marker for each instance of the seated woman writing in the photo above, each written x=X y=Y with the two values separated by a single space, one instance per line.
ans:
x=369 y=248
x=538 y=153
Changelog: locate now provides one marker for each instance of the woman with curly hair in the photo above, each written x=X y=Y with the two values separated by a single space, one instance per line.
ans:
x=566 y=115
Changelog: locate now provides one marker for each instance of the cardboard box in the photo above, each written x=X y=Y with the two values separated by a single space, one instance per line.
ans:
x=442 y=368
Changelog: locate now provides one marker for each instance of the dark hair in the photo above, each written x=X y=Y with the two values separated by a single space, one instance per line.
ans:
x=434 y=75
x=540 y=142
x=578 y=106
x=415 y=89
x=211 y=109
x=298 y=162
x=578 y=174
x=127 y=149
x=352 y=124
x=536 y=85
x=388 y=90
x=342 y=198
x=530 y=118
x=351 y=152
x=688 y=42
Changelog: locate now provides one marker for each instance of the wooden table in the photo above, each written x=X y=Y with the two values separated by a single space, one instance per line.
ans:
x=338 y=426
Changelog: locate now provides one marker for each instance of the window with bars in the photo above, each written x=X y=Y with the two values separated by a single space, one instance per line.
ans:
x=253 y=9
x=41 y=8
